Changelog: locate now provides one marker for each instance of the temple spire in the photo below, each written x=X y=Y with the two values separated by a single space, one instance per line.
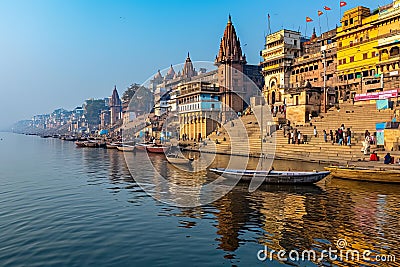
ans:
x=230 y=49
x=188 y=70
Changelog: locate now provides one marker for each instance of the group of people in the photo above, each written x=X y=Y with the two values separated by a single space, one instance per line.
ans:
x=275 y=109
x=388 y=159
x=295 y=137
x=341 y=136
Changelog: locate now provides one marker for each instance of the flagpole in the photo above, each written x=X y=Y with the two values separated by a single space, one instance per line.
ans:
x=305 y=34
x=327 y=23
x=319 y=23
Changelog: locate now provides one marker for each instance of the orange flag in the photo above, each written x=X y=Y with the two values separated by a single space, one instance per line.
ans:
x=308 y=19
x=327 y=8
x=320 y=12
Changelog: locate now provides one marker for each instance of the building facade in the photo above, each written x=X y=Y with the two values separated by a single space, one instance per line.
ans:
x=199 y=109
x=230 y=62
x=280 y=50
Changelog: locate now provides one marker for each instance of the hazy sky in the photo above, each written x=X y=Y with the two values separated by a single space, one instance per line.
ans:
x=56 y=53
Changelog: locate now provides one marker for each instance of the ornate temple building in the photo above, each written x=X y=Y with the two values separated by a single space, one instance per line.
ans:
x=230 y=62
x=115 y=107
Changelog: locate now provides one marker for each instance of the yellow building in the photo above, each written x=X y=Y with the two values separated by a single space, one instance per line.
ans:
x=357 y=55
x=388 y=23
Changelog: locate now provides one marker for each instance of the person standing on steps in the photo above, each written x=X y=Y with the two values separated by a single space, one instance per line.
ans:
x=315 y=131
x=325 y=137
x=348 y=134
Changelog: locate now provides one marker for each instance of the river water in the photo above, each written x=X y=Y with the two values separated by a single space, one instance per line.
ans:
x=67 y=206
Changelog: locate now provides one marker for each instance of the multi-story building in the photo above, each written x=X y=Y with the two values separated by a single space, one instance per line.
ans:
x=316 y=69
x=199 y=109
x=388 y=65
x=280 y=50
x=357 y=53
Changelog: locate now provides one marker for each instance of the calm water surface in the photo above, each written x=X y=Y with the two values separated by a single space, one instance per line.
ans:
x=67 y=206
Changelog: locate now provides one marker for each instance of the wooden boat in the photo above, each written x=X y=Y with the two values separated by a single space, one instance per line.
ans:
x=365 y=174
x=91 y=144
x=142 y=146
x=70 y=138
x=175 y=158
x=113 y=145
x=80 y=144
x=126 y=148
x=273 y=177
x=156 y=149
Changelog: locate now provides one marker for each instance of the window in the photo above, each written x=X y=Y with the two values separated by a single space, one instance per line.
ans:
x=351 y=43
x=344 y=61
x=340 y=44
x=352 y=59
x=365 y=55
x=295 y=42
x=351 y=21
x=212 y=105
x=340 y=62
x=346 y=23
x=372 y=54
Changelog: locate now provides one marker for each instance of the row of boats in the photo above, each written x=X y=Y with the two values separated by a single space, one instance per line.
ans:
x=172 y=157
x=266 y=176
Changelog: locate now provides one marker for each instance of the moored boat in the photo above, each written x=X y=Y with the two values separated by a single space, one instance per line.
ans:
x=142 y=146
x=156 y=149
x=273 y=177
x=70 y=138
x=113 y=145
x=80 y=144
x=175 y=158
x=365 y=174
x=126 y=148
x=91 y=144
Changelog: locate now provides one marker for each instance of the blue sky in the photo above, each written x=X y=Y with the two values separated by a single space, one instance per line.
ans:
x=57 y=53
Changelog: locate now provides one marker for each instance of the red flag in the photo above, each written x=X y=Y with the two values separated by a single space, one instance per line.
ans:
x=320 y=12
x=308 y=19
x=343 y=3
x=327 y=8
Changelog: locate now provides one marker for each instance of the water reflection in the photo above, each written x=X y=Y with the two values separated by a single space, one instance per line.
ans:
x=298 y=218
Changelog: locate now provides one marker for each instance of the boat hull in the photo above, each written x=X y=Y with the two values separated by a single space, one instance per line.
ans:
x=156 y=149
x=365 y=174
x=142 y=147
x=126 y=148
x=179 y=161
x=273 y=177
x=80 y=144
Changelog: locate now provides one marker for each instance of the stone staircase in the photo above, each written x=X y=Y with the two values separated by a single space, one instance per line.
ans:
x=358 y=118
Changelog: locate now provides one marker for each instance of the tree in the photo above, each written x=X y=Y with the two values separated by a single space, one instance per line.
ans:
x=139 y=98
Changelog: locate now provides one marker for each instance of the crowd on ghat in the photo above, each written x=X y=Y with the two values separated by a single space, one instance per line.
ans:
x=341 y=136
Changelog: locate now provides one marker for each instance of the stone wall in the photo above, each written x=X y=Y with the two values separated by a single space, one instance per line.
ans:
x=392 y=139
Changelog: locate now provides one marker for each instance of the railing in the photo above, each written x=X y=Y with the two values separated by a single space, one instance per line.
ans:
x=392 y=33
